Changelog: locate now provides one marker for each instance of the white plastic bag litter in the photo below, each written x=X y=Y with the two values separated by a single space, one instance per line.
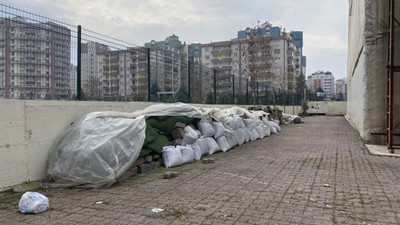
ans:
x=33 y=202
x=196 y=151
x=202 y=143
x=219 y=129
x=171 y=156
x=187 y=153
x=223 y=143
x=212 y=145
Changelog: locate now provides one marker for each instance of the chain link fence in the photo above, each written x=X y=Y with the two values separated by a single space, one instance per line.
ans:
x=42 y=58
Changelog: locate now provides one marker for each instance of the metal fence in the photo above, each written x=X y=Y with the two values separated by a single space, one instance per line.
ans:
x=42 y=58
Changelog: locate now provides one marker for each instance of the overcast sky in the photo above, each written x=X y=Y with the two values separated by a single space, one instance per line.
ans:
x=324 y=22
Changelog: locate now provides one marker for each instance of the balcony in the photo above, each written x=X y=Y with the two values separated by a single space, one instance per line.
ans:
x=221 y=51
x=221 y=60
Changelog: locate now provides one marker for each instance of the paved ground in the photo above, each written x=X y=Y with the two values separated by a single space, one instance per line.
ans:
x=313 y=173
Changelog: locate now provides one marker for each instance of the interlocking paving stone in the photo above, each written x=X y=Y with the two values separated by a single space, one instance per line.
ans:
x=317 y=172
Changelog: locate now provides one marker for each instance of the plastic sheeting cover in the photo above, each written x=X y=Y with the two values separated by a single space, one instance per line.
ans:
x=96 y=150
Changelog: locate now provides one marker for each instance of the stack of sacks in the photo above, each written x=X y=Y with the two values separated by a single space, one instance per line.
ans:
x=273 y=127
x=251 y=124
x=176 y=156
x=219 y=136
x=207 y=131
x=171 y=156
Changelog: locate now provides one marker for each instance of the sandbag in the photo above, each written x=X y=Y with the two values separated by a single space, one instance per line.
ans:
x=250 y=123
x=202 y=143
x=241 y=134
x=223 y=143
x=196 y=151
x=273 y=130
x=230 y=122
x=238 y=122
x=276 y=126
x=212 y=145
x=266 y=129
x=219 y=129
x=190 y=136
x=250 y=135
x=255 y=134
x=171 y=156
x=33 y=202
x=206 y=128
x=232 y=138
x=260 y=131
x=187 y=153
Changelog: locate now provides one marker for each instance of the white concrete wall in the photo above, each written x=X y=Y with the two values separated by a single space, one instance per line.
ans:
x=30 y=128
x=328 y=108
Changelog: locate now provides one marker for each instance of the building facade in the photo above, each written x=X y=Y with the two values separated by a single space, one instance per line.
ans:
x=35 y=60
x=341 y=89
x=281 y=56
x=323 y=80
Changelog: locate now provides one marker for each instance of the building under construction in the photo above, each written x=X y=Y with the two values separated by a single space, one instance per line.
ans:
x=35 y=59
x=373 y=70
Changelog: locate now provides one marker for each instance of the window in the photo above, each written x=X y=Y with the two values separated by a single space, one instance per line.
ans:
x=277 y=51
x=207 y=57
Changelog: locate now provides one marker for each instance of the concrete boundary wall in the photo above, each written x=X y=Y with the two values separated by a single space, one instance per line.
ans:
x=30 y=128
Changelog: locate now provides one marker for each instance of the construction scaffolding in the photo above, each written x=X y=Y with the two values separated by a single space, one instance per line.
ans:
x=392 y=69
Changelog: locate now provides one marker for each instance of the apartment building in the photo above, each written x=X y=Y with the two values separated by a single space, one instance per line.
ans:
x=35 y=60
x=323 y=80
x=281 y=63
x=92 y=63
x=341 y=89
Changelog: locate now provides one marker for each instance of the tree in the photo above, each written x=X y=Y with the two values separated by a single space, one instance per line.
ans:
x=92 y=88
x=257 y=57
x=300 y=84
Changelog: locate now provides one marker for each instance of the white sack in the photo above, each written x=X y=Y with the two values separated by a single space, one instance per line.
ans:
x=190 y=136
x=260 y=131
x=230 y=121
x=212 y=145
x=250 y=123
x=276 y=126
x=266 y=129
x=238 y=122
x=206 y=128
x=196 y=151
x=232 y=138
x=255 y=134
x=172 y=156
x=202 y=143
x=219 y=129
x=241 y=134
x=273 y=130
x=223 y=143
x=187 y=153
